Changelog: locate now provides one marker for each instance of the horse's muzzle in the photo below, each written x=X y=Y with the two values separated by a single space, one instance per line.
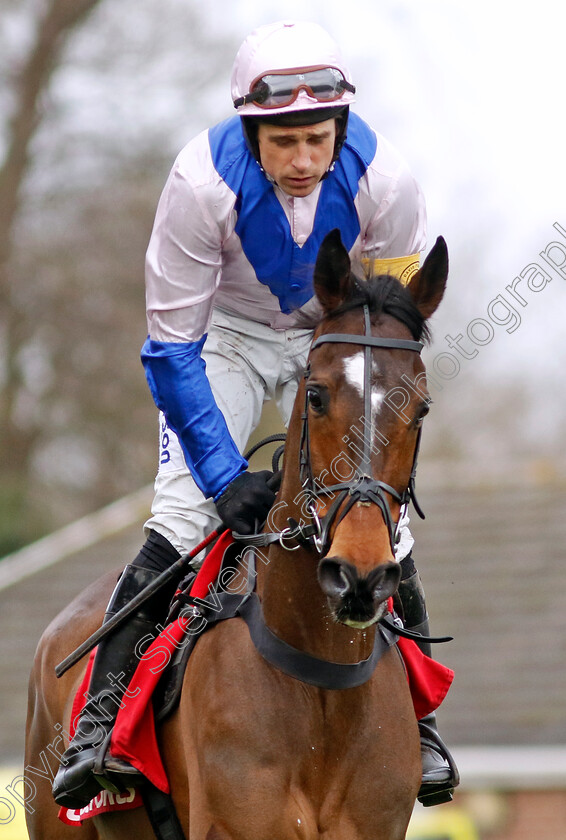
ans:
x=354 y=599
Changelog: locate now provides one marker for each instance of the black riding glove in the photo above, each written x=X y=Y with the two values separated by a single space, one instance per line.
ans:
x=247 y=499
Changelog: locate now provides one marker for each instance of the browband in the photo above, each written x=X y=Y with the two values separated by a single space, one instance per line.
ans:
x=370 y=340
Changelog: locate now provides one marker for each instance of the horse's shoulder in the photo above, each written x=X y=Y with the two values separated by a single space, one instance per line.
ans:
x=224 y=659
x=224 y=646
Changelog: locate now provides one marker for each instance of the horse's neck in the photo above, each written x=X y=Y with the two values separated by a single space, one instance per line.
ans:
x=294 y=605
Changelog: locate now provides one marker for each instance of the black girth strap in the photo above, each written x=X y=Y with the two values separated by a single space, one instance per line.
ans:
x=302 y=666
x=162 y=814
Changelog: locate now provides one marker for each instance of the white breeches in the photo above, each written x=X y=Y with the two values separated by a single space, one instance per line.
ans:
x=247 y=364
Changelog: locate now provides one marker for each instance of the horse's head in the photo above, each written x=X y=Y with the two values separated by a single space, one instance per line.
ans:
x=365 y=398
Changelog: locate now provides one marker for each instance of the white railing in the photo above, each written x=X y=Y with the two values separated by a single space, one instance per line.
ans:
x=77 y=536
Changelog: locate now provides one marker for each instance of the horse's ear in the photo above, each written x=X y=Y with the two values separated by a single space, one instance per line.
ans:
x=332 y=279
x=427 y=286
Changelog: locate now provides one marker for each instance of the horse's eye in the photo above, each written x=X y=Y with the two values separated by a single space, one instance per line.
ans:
x=422 y=413
x=317 y=398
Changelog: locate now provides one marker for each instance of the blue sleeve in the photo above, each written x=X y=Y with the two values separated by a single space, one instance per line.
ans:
x=176 y=375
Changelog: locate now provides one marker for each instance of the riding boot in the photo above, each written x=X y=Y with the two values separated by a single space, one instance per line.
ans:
x=85 y=767
x=439 y=773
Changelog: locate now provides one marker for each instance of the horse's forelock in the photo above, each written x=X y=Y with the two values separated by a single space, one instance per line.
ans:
x=385 y=294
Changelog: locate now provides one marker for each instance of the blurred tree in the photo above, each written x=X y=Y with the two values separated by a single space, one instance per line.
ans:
x=96 y=120
x=17 y=435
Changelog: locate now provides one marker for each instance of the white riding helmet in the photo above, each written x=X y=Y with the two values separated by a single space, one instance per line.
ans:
x=287 y=67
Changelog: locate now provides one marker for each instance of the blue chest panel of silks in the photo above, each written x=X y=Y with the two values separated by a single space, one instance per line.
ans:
x=262 y=225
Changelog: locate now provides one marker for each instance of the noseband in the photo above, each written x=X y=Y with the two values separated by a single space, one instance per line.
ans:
x=363 y=488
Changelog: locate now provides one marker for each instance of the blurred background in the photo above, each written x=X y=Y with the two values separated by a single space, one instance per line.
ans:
x=96 y=100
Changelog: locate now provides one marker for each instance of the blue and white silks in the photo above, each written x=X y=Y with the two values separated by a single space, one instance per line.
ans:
x=175 y=370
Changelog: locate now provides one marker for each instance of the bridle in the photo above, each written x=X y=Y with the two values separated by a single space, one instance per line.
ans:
x=363 y=487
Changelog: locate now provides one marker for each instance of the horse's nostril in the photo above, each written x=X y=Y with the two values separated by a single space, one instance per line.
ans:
x=353 y=597
x=344 y=579
x=334 y=578
x=384 y=580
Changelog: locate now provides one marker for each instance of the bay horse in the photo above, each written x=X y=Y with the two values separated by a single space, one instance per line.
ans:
x=253 y=753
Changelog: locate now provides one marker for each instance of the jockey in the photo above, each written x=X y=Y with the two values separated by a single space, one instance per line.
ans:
x=229 y=292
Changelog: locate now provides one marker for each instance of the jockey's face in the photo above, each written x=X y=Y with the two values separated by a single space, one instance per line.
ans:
x=297 y=157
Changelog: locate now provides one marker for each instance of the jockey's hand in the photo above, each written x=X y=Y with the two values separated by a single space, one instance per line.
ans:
x=247 y=499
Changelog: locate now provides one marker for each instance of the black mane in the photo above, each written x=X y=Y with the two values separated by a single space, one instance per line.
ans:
x=385 y=294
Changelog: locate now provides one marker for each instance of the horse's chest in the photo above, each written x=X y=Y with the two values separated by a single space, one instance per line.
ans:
x=273 y=757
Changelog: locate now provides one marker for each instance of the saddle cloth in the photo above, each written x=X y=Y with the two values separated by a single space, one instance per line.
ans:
x=134 y=736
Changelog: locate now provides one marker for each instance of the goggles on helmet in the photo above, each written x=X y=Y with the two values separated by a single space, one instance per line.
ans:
x=279 y=88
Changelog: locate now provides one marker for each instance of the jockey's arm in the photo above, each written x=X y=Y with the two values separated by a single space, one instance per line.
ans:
x=182 y=272
x=396 y=233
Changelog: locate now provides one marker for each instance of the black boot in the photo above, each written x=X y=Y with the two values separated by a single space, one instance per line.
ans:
x=440 y=774
x=85 y=770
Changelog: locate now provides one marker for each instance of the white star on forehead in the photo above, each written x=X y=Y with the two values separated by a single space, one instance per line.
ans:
x=354 y=373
